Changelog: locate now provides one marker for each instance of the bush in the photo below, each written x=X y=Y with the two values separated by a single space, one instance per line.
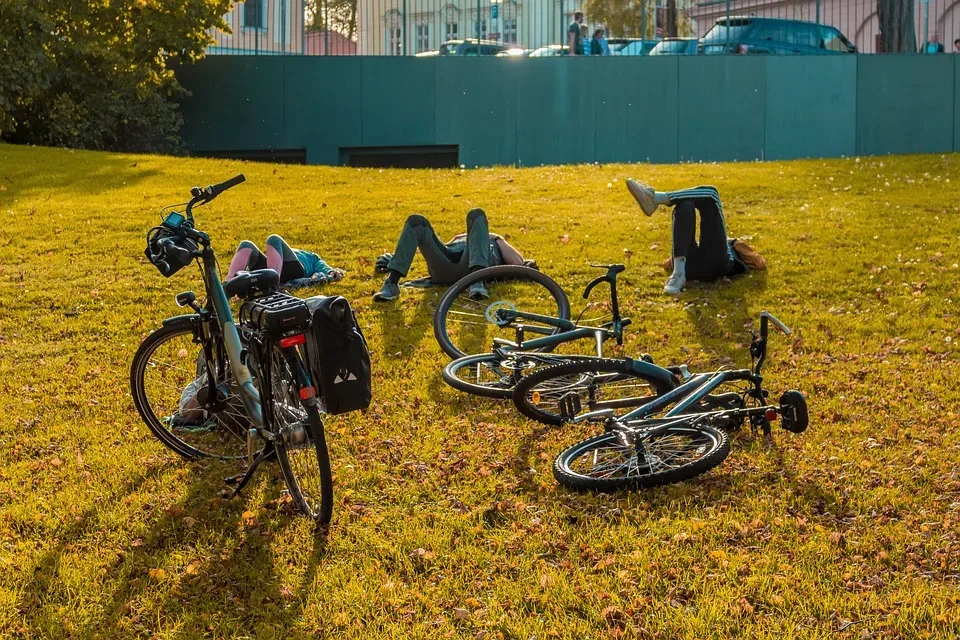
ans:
x=97 y=75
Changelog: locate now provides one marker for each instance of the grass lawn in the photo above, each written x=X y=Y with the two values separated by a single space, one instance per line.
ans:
x=448 y=522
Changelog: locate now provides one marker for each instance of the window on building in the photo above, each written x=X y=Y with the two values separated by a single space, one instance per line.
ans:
x=423 y=37
x=483 y=28
x=510 y=30
x=451 y=31
x=393 y=41
x=255 y=14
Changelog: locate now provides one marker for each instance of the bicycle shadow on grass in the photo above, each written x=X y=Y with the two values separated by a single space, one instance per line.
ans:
x=722 y=316
x=203 y=555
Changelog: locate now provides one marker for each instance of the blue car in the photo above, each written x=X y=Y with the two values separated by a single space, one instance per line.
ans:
x=753 y=35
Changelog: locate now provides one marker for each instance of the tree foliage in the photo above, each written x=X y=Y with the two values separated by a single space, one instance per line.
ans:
x=333 y=15
x=636 y=18
x=97 y=73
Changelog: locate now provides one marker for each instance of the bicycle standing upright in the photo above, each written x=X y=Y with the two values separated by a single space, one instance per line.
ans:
x=208 y=386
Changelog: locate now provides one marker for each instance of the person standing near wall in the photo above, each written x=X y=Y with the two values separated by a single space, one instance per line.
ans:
x=596 y=43
x=574 y=38
x=933 y=45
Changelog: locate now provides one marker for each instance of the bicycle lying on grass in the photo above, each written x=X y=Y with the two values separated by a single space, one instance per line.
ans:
x=521 y=301
x=271 y=413
x=675 y=425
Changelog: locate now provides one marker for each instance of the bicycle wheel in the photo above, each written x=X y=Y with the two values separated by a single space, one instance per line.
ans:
x=301 y=444
x=168 y=361
x=463 y=324
x=663 y=456
x=493 y=376
x=591 y=385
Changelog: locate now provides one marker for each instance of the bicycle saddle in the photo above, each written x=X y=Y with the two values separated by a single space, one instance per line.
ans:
x=245 y=283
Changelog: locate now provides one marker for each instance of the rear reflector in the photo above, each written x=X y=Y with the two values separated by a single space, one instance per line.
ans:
x=307 y=392
x=292 y=341
x=771 y=414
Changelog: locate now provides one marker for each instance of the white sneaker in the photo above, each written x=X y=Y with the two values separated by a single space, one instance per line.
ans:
x=644 y=195
x=675 y=284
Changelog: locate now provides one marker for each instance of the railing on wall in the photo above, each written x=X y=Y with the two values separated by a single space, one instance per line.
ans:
x=421 y=27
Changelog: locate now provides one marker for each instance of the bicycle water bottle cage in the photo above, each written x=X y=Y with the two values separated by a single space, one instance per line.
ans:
x=248 y=283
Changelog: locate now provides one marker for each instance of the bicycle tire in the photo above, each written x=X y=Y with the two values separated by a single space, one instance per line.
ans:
x=301 y=446
x=500 y=369
x=537 y=395
x=504 y=274
x=221 y=435
x=710 y=446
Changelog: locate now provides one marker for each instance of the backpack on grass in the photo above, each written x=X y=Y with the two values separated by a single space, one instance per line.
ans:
x=337 y=355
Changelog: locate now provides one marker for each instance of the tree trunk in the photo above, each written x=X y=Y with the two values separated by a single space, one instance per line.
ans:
x=896 y=26
x=670 y=31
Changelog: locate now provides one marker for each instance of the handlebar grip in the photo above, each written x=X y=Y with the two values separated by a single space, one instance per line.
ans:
x=216 y=189
x=171 y=247
x=766 y=315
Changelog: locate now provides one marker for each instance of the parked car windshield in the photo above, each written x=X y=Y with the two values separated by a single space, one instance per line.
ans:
x=670 y=46
x=723 y=32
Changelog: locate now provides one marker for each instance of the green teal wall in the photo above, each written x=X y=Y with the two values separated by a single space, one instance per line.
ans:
x=576 y=110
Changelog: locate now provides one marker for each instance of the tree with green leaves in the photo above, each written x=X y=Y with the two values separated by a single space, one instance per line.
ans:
x=636 y=18
x=333 y=15
x=97 y=74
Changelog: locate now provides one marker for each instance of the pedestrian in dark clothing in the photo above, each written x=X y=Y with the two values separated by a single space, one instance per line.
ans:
x=574 y=37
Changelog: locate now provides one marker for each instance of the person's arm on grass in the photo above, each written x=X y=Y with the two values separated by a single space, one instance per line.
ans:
x=508 y=253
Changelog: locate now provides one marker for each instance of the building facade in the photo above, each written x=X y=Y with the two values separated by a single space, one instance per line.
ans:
x=393 y=27
x=262 y=27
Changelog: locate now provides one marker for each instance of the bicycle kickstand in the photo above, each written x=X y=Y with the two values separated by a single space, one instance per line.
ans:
x=242 y=479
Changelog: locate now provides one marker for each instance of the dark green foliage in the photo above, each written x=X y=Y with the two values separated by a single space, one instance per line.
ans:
x=96 y=74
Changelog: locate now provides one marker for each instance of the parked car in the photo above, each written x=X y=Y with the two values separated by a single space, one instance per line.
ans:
x=630 y=46
x=675 y=47
x=515 y=52
x=752 y=35
x=551 y=50
x=427 y=54
x=472 y=47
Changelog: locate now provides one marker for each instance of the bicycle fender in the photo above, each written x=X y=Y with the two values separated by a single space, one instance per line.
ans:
x=190 y=318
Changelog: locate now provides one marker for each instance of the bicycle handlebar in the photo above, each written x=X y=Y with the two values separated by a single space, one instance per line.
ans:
x=216 y=189
x=208 y=193
x=765 y=316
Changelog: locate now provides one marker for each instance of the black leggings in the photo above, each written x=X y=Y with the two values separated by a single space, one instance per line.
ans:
x=709 y=258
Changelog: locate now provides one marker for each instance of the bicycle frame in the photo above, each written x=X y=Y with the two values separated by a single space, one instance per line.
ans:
x=569 y=331
x=695 y=389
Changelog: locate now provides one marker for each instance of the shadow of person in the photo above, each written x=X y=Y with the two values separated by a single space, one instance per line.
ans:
x=407 y=321
x=721 y=314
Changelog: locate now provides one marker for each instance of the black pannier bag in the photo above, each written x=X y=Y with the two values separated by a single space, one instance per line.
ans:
x=337 y=355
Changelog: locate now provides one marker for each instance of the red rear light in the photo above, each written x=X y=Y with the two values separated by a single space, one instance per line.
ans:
x=292 y=341
x=770 y=414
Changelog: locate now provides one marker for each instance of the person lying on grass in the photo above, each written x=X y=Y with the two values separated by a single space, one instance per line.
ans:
x=446 y=263
x=297 y=268
x=714 y=255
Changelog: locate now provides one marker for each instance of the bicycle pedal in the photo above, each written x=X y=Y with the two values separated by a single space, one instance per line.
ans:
x=233 y=480
x=570 y=405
